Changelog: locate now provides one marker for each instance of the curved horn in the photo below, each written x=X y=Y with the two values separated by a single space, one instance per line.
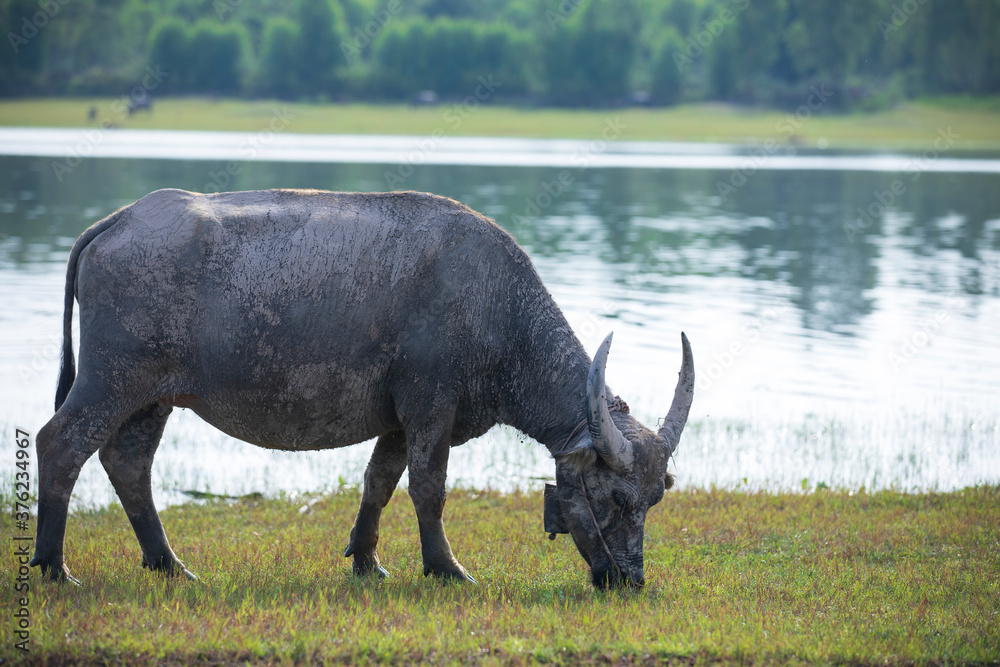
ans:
x=681 y=405
x=613 y=447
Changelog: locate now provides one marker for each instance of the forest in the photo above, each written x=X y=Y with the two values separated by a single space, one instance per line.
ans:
x=867 y=54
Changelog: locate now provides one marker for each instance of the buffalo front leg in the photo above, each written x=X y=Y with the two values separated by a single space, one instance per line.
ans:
x=428 y=464
x=381 y=477
x=128 y=460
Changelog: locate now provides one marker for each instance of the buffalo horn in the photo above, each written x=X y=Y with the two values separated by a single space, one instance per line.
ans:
x=670 y=432
x=613 y=447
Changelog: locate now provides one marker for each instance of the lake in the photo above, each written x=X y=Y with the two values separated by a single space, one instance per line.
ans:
x=843 y=308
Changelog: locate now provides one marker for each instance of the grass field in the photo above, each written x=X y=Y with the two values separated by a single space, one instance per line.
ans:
x=826 y=577
x=913 y=125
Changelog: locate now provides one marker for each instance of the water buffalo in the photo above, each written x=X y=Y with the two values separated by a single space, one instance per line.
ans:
x=304 y=320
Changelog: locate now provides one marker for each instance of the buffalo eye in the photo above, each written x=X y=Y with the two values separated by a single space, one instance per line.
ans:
x=619 y=498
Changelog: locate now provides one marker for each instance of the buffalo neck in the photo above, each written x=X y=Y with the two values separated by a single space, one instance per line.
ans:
x=545 y=392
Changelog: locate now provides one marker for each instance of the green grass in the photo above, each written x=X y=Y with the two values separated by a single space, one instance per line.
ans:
x=827 y=577
x=912 y=125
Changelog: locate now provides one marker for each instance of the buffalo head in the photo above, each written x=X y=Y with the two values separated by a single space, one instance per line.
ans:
x=611 y=473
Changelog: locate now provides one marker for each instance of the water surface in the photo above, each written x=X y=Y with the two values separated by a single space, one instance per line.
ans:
x=831 y=347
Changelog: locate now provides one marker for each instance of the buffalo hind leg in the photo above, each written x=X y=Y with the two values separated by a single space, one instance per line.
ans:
x=63 y=445
x=381 y=477
x=428 y=450
x=128 y=460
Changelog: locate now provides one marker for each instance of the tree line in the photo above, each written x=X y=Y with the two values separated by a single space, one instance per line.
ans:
x=865 y=53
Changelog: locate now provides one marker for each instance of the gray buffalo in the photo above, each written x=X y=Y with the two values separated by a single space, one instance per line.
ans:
x=304 y=320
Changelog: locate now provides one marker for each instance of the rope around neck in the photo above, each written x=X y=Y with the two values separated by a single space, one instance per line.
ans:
x=586 y=496
x=614 y=405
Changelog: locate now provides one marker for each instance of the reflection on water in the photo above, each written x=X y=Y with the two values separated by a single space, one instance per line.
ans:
x=830 y=345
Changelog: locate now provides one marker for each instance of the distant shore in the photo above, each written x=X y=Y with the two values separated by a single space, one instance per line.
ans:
x=969 y=124
x=69 y=145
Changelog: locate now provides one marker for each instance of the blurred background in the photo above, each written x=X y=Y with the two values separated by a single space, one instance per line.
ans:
x=870 y=53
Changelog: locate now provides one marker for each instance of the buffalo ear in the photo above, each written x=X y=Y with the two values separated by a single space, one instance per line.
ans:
x=580 y=457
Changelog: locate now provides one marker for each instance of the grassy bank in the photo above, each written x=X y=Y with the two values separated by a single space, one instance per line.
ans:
x=818 y=578
x=915 y=125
